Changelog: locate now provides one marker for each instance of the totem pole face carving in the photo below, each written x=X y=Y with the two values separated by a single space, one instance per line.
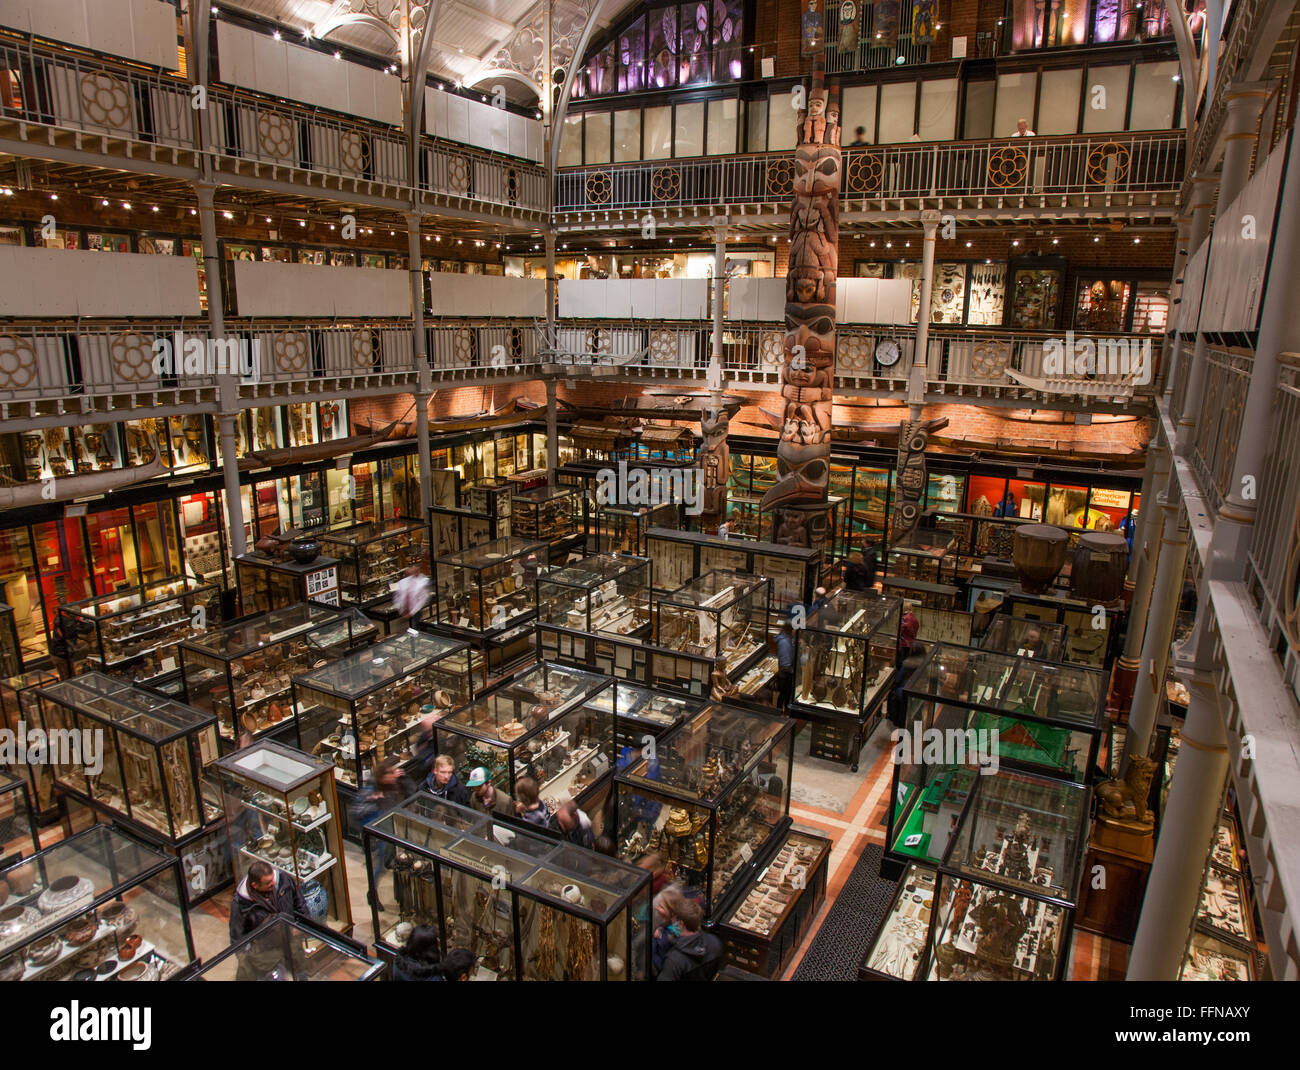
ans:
x=808 y=365
x=715 y=460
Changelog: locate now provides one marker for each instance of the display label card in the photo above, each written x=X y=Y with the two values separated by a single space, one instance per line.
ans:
x=912 y=840
x=746 y=852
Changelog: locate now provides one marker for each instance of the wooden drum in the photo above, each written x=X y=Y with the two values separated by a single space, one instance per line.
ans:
x=1100 y=563
x=1038 y=555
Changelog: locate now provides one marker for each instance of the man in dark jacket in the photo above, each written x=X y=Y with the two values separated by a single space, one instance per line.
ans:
x=442 y=781
x=573 y=825
x=697 y=956
x=263 y=893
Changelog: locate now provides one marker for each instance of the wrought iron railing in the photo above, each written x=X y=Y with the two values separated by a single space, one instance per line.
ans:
x=1101 y=164
x=1273 y=550
x=1218 y=424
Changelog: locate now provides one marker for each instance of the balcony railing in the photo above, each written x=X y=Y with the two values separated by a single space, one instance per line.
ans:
x=88 y=95
x=1146 y=164
x=1218 y=424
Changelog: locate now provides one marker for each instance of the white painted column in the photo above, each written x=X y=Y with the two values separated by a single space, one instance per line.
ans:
x=916 y=381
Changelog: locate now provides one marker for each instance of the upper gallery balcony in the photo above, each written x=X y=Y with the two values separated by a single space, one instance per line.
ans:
x=1121 y=174
x=65 y=105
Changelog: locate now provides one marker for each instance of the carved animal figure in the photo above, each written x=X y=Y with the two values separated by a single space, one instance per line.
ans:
x=1116 y=796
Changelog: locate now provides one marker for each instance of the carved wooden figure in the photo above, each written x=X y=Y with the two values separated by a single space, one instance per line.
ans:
x=808 y=360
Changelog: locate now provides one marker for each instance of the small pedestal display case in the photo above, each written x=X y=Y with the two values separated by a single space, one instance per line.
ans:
x=243 y=672
x=641 y=714
x=547 y=514
x=622 y=529
x=1025 y=638
x=368 y=705
x=11 y=651
x=21 y=708
x=488 y=588
x=98 y=906
x=768 y=924
x=528 y=907
x=287 y=950
x=266 y=583
x=713 y=801
x=603 y=593
x=721 y=615
x=542 y=724
x=18 y=837
x=844 y=665
x=155 y=751
x=372 y=557
x=897 y=951
x=680 y=556
x=493 y=499
x=133 y=634
x=284 y=811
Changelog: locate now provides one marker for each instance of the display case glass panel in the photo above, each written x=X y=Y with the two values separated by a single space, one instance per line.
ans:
x=154 y=754
x=370 y=704
x=527 y=906
x=602 y=593
x=489 y=587
x=715 y=791
x=285 y=950
x=1210 y=959
x=621 y=529
x=898 y=950
x=722 y=615
x=547 y=514
x=243 y=672
x=97 y=906
x=1041 y=640
x=11 y=653
x=372 y=557
x=641 y=713
x=21 y=709
x=134 y=633
x=18 y=837
x=543 y=724
x=845 y=653
x=283 y=810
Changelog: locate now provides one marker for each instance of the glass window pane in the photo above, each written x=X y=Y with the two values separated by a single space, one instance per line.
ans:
x=722 y=126
x=597 y=148
x=156 y=540
x=1058 y=102
x=631 y=58
x=897 y=112
x=858 y=108
x=627 y=135
x=1070 y=22
x=689 y=130
x=978 y=123
x=728 y=39
x=1107 y=99
x=693 y=56
x=757 y=124
x=112 y=550
x=781 y=122
x=663 y=47
x=1154 y=90
x=938 y=109
x=658 y=133
x=1015 y=102
x=571 y=141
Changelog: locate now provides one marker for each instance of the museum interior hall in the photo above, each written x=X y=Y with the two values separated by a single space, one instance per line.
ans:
x=650 y=490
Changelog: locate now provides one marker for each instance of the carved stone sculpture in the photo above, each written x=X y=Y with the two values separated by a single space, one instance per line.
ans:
x=808 y=356
x=1126 y=800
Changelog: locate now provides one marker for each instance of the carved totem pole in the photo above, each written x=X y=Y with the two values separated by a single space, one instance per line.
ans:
x=715 y=460
x=808 y=360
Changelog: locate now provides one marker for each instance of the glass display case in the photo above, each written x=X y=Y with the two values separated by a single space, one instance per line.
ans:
x=603 y=593
x=492 y=499
x=765 y=928
x=641 y=714
x=285 y=949
x=369 y=704
x=490 y=587
x=18 y=837
x=680 y=556
x=1210 y=958
x=284 y=810
x=1042 y=640
x=722 y=615
x=712 y=800
x=134 y=632
x=897 y=951
x=845 y=653
x=924 y=554
x=547 y=514
x=151 y=770
x=543 y=724
x=11 y=651
x=97 y=906
x=372 y=557
x=243 y=672
x=528 y=907
x=267 y=584
x=622 y=529
x=21 y=710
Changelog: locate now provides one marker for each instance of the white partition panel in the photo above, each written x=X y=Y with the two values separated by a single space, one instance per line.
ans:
x=142 y=30
x=1189 y=302
x=273 y=289
x=285 y=69
x=68 y=282
x=471 y=122
x=756 y=299
x=486 y=295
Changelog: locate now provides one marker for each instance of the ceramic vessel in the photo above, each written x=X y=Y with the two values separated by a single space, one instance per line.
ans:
x=304 y=551
x=1038 y=555
x=317 y=899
